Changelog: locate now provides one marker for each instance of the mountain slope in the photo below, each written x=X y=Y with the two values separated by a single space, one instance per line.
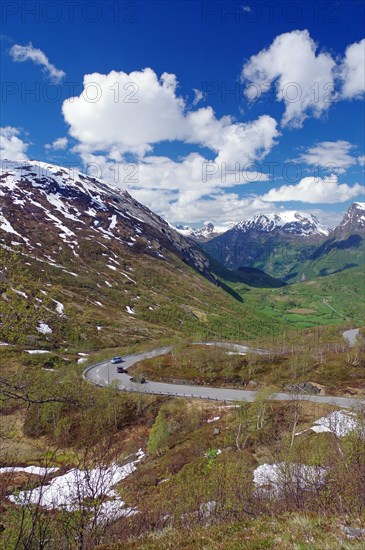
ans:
x=83 y=264
x=273 y=243
x=74 y=204
x=344 y=248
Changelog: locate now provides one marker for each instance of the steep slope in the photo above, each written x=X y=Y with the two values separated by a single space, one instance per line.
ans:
x=343 y=250
x=85 y=265
x=78 y=205
x=274 y=243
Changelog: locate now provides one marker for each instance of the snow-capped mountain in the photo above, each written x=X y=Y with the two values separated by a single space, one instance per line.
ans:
x=353 y=221
x=273 y=242
x=291 y=222
x=203 y=234
x=47 y=209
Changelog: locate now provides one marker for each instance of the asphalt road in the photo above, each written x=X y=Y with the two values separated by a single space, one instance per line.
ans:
x=105 y=373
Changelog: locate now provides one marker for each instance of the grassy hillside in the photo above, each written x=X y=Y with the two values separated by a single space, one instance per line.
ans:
x=97 y=304
x=333 y=256
x=333 y=300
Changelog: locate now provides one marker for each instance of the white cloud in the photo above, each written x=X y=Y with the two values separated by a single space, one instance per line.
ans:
x=352 y=71
x=23 y=53
x=11 y=146
x=361 y=160
x=198 y=96
x=58 y=144
x=158 y=114
x=132 y=112
x=303 y=78
x=315 y=190
x=233 y=142
x=332 y=155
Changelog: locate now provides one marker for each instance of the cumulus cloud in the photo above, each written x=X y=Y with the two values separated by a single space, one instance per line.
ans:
x=315 y=190
x=12 y=147
x=303 y=78
x=331 y=155
x=24 y=53
x=132 y=112
x=58 y=144
x=352 y=71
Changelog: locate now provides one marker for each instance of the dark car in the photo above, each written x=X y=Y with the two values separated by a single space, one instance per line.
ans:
x=116 y=360
x=121 y=369
x=141 y=380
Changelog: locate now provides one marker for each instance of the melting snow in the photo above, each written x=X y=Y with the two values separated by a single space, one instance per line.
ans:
x=113 y=221
x=213 y=419
x=128 y=277
x=340 y=423
x=60 y=308
x=278 y=476
x=69 y=491
x=20 y=292
x=43 y=328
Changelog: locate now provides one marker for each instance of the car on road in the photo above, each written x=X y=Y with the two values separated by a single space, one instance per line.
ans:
x=141 y=380
x=116 y=360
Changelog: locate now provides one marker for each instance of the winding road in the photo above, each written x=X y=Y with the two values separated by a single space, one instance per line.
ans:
x=103 y=374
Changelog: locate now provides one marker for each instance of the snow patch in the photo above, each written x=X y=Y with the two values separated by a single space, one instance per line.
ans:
x=60 y=308
x=71 y=490
x=43 y=328
x=340 y=423
x=276 y=477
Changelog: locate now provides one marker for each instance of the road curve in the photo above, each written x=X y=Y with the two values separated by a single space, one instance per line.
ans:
x=103 y=374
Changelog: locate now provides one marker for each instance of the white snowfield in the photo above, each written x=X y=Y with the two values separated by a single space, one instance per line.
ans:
x=74 y=489
x=277 y=477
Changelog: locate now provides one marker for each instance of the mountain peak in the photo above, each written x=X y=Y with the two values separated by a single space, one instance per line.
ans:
x=354 y=219
x=203 y=234
x=288 y=221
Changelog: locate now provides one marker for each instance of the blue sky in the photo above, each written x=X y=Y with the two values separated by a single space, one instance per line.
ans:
x=246 y=107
